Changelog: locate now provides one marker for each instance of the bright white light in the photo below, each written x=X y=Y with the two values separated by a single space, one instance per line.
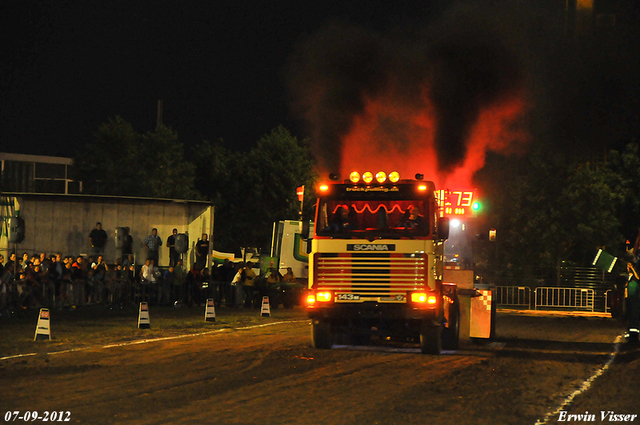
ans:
x=455 y=223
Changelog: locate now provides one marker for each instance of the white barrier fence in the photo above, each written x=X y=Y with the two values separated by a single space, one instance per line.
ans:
x=513 y=296
x=568 y=298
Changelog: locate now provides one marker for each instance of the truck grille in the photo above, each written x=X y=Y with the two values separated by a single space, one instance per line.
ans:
x=371 y=275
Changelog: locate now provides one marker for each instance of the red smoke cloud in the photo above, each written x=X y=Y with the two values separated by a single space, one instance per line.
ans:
x=391 y=135
x=433 y=104
x=499 y=128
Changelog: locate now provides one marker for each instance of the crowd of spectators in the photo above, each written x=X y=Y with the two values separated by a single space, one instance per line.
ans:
x=33 y=281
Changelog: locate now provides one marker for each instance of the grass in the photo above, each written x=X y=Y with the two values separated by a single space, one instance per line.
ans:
x=98 y=325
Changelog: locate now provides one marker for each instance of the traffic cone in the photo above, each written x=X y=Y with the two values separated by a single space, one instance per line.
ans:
x=210 y=311
x=266 y=310
x=42 y=329
x=143 y=317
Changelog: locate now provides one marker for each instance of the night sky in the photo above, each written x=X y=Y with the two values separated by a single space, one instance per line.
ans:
x=223 y=69
x=218 y=66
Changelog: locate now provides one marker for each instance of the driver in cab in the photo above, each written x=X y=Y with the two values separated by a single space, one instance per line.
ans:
x=411 y=218
x=340 y=222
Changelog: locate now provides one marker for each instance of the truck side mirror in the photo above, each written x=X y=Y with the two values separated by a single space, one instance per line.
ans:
x=304 y=229
x=443 y=228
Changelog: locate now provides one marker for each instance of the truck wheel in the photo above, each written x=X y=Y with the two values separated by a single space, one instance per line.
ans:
x=321 y=334
x=430 y=338
x=450 y=335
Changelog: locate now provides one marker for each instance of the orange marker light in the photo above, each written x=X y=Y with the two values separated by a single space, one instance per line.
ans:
x=394 y=176
x=422 y=187
x=381 y=177
x=354 y=177
x=418 y=297
x=367 y=177
x=324 y=187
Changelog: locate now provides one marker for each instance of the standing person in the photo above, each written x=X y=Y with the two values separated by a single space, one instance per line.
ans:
x=80 y=293
x=98 y=239
x=6 y=289
x=170 y=280
x=152 y=244
x=148 y=275
x=633 y=304
x=289 y=277
x=12 y=259
x=274 y=278
x=226 y=274
x=127 y=244
x=128 y=279
x=193 y=285
x=25 y=261
x=179 y=283
x=236 y=285
x=100 y=270
x=202 y=251
x=248 y=286
x=128 y=261
x=171 y=244
x=67 y=285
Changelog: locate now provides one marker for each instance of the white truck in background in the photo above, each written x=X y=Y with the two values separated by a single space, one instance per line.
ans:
x=289 y=250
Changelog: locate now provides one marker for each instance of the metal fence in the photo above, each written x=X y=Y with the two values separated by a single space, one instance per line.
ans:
x=513 y=296
x=564 y=298
x=563 y=288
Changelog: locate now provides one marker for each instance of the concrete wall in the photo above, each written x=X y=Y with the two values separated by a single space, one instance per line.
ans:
x=62 y=223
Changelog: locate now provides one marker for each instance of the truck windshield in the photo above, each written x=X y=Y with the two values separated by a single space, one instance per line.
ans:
x=373 y=218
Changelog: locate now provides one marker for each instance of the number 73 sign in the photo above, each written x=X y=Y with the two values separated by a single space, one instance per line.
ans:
x=461 y=203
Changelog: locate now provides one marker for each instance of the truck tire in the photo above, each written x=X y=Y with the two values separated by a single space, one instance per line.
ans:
x=430 y=338
x=451 y=334
x=321 y=334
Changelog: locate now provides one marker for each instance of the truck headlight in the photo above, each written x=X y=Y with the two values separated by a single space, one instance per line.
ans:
x=423 y=298
x=323 y=296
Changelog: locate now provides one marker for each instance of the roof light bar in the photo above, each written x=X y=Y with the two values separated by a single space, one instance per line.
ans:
x=368 y=177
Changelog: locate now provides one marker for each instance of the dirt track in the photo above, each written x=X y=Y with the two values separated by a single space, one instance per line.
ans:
x=271 y=375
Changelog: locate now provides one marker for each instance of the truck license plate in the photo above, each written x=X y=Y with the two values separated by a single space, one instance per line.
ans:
x=348 y=297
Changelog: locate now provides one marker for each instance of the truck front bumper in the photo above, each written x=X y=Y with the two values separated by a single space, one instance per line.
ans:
x=370 y=311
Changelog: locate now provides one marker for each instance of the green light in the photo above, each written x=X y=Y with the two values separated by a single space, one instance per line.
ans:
x=476 y=206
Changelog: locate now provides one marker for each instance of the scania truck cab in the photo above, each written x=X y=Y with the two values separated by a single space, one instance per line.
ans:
x=376 y=264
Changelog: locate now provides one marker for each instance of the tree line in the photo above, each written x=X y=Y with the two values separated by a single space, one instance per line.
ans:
x=557 y=207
